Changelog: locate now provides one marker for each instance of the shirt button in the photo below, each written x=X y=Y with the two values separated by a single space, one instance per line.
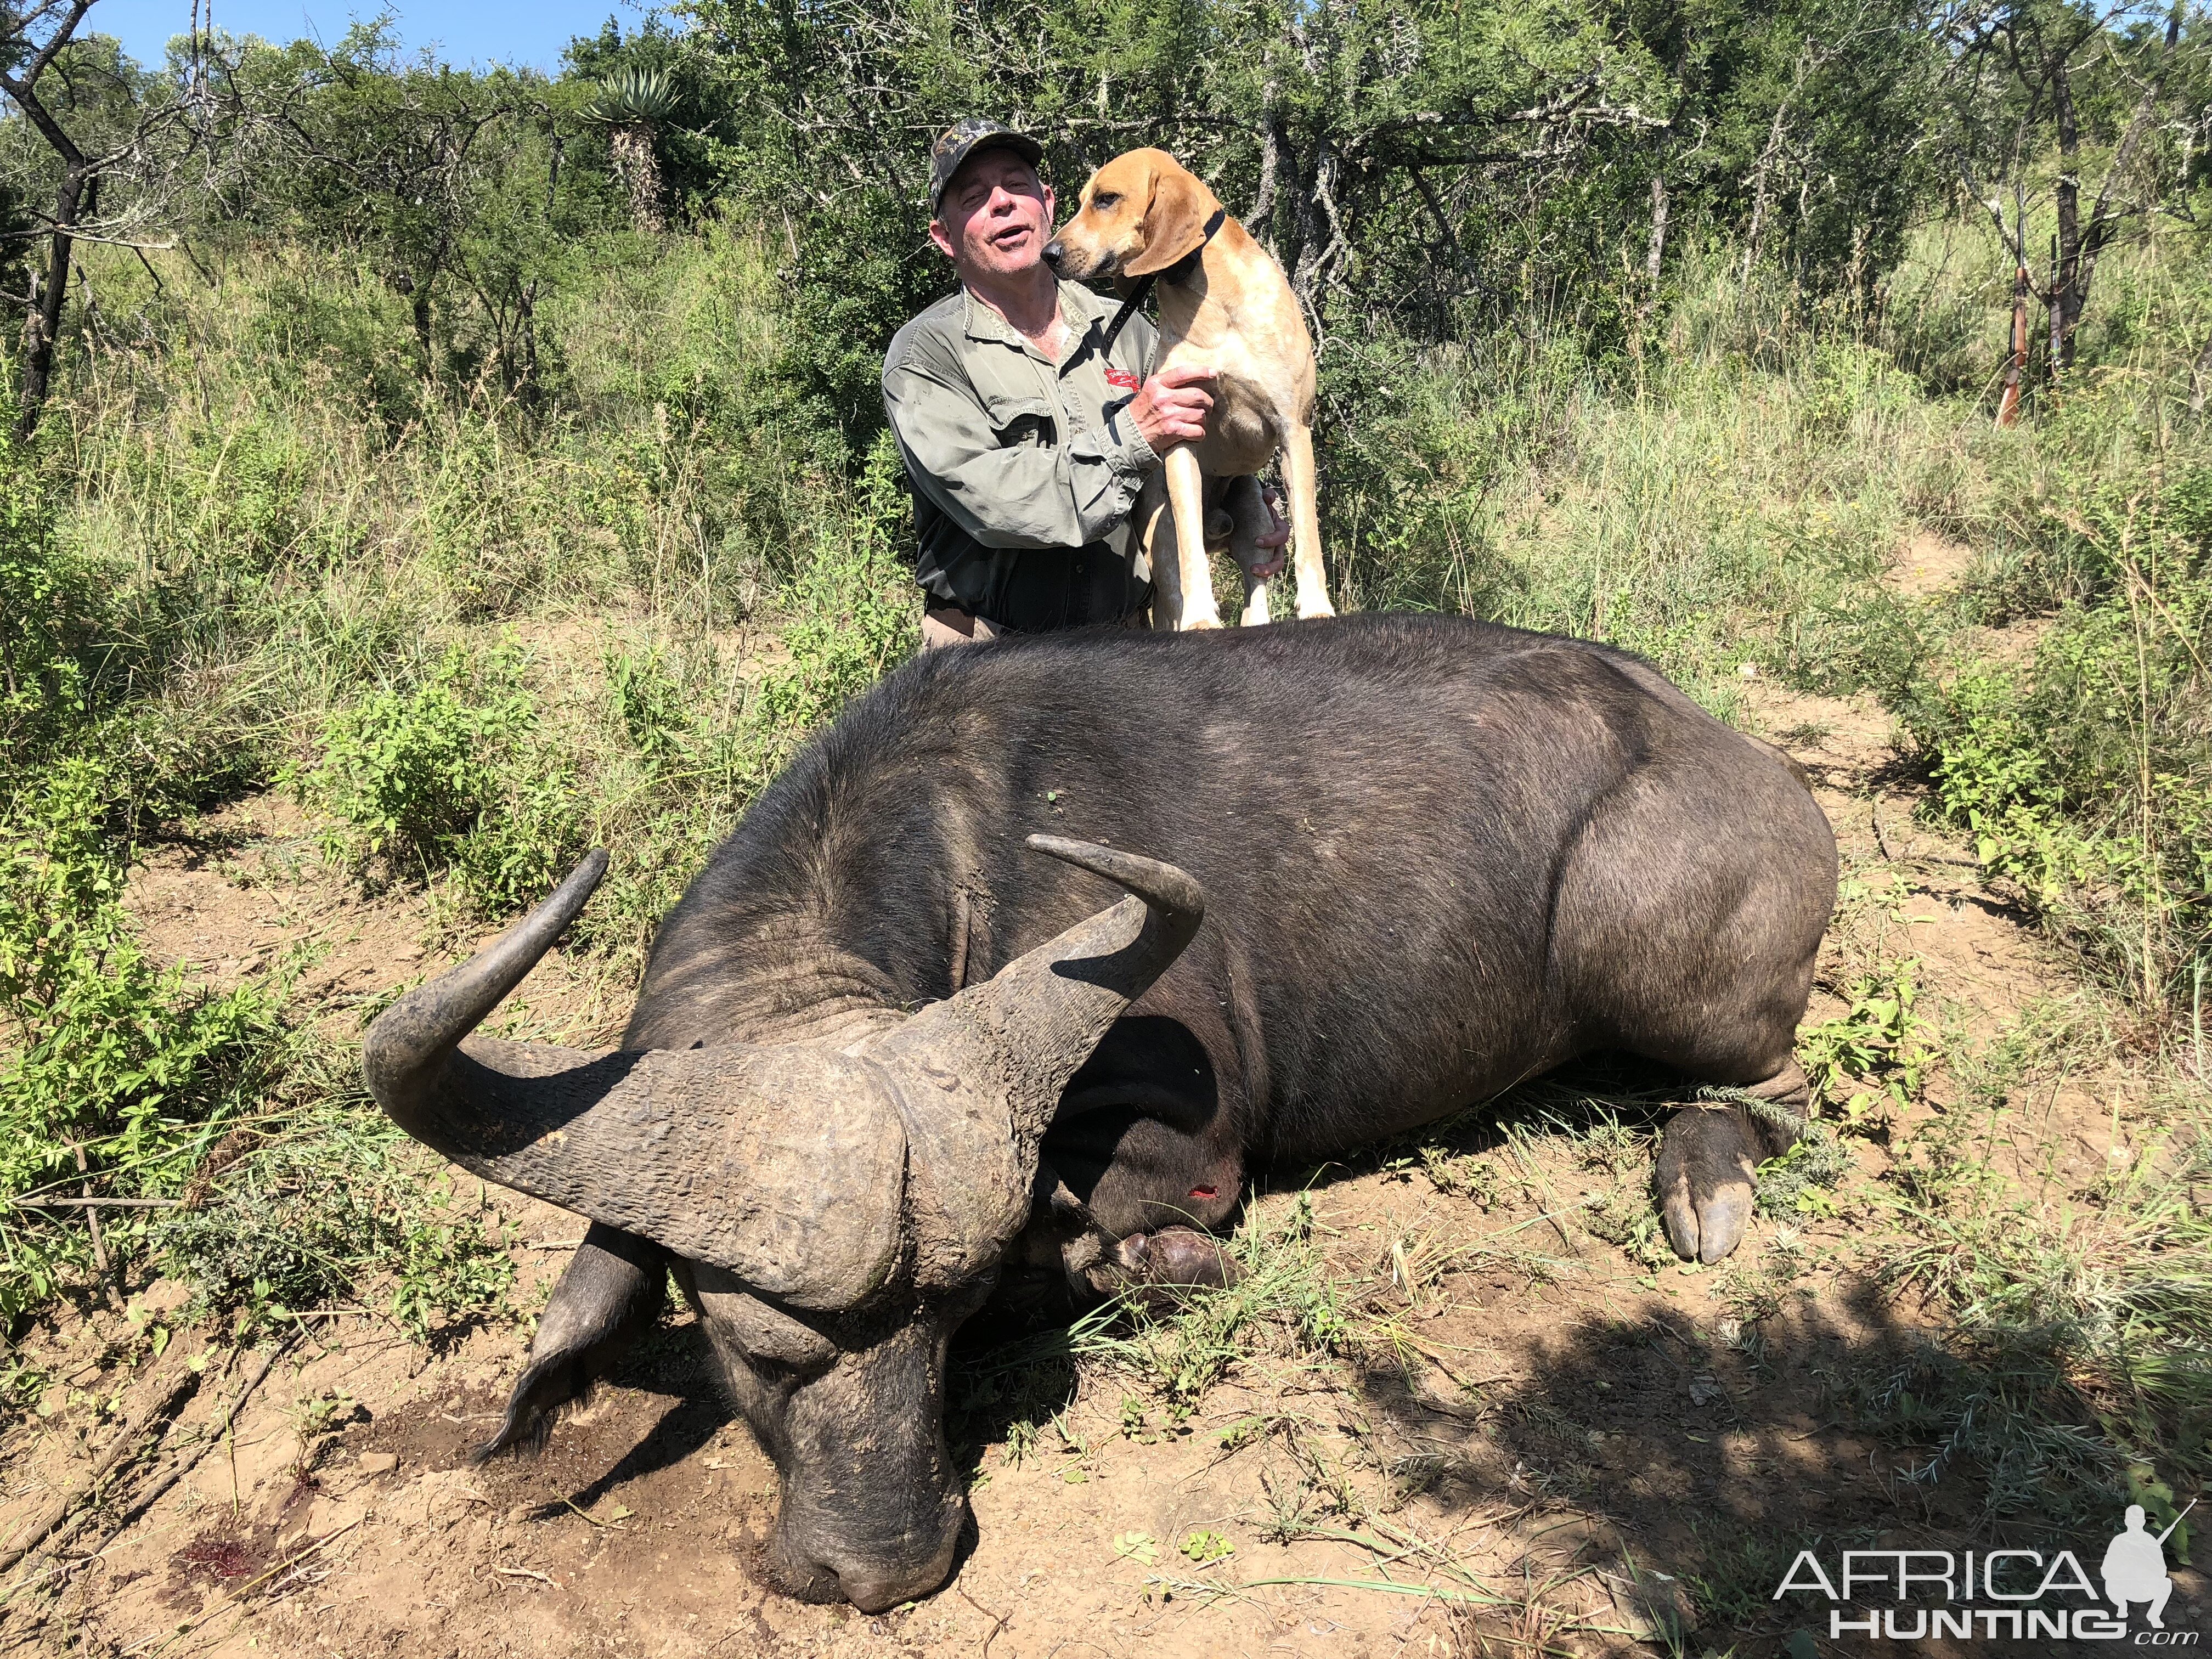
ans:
x=1079 y=567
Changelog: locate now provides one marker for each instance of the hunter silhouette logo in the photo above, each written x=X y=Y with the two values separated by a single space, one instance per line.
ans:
x=2134 y=1567
x=2000 y=1594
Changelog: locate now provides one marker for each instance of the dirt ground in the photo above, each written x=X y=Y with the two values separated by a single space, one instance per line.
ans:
x=1561 y=1449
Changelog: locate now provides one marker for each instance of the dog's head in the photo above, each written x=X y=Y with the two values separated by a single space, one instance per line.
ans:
x=1139 y=214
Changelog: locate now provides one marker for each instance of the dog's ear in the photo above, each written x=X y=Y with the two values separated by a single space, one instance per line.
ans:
x=1174 y=222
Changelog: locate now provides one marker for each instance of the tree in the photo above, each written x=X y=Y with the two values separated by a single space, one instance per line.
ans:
x=1384 y=148
x=2035 y=77
x=120 y=149
x=632 y=104
x=1414 y=164
x=395 y=159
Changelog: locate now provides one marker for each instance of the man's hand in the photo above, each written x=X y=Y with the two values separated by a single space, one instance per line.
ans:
x=1170 y=409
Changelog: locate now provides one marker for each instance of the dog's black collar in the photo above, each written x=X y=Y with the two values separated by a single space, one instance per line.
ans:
x=1180 y=271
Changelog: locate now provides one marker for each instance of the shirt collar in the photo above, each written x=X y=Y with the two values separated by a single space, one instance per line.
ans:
x=1079 y=308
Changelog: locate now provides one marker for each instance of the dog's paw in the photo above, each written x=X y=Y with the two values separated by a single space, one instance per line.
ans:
x=1197 y=624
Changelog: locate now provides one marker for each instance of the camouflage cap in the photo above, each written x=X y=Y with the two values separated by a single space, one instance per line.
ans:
x=962 y=139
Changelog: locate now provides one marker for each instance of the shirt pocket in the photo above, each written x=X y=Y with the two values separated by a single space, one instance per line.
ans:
x=1019 y=420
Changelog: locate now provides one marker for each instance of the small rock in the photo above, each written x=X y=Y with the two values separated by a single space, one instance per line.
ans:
x=379 y=1462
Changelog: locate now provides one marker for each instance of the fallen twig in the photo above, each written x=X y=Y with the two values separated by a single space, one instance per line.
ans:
x=999 y=1620
x=160 y=1408
x=604 y=1526
x=212 y=1431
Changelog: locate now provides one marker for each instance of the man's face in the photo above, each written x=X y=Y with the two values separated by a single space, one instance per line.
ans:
x=995 y=216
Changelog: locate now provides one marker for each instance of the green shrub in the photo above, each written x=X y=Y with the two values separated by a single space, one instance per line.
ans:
x=650 y=700
x=2085 y=776
x=51 y=611
x=300 y=1221
x=108 y=1055
x=853 y=607
x=439 y=779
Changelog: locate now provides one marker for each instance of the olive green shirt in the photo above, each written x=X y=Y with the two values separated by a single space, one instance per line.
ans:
x=1023 y=471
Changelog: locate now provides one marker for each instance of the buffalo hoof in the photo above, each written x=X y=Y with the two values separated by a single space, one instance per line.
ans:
x=1154 y=1268
x=1182 y=1255
x=1704 y=1181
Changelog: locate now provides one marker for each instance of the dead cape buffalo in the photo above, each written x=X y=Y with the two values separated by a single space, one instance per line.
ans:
x=887 y=1059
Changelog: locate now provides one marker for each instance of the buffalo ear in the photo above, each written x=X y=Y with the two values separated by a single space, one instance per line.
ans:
x=1174 y=223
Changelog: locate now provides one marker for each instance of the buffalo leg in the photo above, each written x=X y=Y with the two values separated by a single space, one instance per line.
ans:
x=1153 y=1267
x=1247 y=508
x=1703 y=1180
x=609 y=1296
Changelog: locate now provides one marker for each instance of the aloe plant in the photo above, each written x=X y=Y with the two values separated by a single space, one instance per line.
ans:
x=632 y=104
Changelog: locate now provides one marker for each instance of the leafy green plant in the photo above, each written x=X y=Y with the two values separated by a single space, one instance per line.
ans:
x=116 y=1073
x=412 y=773
x=50 y=609
x=439 y=778
x=649 y=699
x=2085 y=774
x=1873 y=1056
x=333 y=1196
x=854 y=613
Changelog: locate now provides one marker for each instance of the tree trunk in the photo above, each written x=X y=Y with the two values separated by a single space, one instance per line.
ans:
x=1768 y=155
x=2104 y=216
x=1262 y=221
x=42 y=329
x=2060 y=350
x=2066 y=295
x=1319 y=243
x=639 y=171
x=2009 y=405
x=1656 y=245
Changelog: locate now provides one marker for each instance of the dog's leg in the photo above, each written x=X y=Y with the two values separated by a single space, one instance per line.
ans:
x=1299 y=476
x=1187 y=498
x=1155 y=524
x=1248 y=516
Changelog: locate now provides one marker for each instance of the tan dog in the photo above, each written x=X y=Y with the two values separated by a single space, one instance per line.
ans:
x=1226 y=307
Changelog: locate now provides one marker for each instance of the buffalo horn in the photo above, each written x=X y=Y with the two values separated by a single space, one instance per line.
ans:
x=1022 y=1033
x=781 y=1165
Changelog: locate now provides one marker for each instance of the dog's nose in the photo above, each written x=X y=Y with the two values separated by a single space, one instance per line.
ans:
x=1054 y=253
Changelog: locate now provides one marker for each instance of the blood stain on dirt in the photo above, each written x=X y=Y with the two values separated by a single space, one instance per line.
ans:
x=215 y=1557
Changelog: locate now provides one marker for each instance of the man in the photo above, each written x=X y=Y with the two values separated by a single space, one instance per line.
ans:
x=1026 y=438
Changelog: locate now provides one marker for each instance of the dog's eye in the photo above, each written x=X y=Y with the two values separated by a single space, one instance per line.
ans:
x=1105 y=199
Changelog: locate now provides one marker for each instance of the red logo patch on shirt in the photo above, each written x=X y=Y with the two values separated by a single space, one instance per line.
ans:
x=1122 y=378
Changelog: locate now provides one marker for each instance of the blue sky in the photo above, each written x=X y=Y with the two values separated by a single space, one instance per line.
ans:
x=529 y=32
